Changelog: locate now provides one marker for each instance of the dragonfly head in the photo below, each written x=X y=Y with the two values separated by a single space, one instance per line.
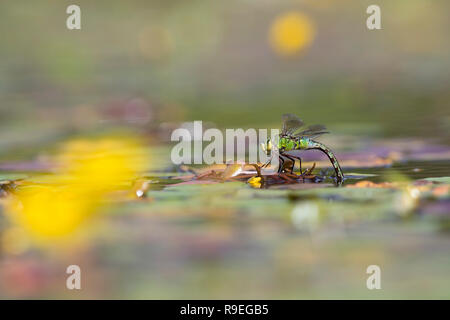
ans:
x=267 y=146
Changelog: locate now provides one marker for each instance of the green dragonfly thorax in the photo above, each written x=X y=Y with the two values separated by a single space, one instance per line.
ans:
x=286 y=144
x=297 y=143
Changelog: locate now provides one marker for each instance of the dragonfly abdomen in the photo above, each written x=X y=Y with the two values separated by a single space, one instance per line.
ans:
x=331 y=156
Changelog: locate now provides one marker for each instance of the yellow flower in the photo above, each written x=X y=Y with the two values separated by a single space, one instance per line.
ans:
x=52 y=211
x=291 y=33
x=101 y=165
x=89 y=171
x=255 y=182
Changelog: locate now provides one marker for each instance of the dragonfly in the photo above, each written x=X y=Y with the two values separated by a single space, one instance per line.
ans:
x=292 y=138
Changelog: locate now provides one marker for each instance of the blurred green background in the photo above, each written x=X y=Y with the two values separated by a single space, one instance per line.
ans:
x=169 y=61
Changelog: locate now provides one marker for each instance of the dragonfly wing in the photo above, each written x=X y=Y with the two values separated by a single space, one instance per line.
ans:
x=312 y=131
x=291 y=123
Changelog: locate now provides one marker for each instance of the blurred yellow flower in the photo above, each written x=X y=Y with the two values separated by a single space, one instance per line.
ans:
x=52 y=211
x=255 y=182
x=101 y=165
x=89 y=171
x=290 y=33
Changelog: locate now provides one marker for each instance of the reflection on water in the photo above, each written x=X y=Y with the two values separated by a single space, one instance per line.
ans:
x=413 y=170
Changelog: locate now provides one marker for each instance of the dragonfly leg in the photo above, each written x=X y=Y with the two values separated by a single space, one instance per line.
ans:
x=281 y=165
x=300 y=160
x=267 y=163
x=292 y=158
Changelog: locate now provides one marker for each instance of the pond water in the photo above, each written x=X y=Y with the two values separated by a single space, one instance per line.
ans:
x=414 y=170
x=214 y=240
